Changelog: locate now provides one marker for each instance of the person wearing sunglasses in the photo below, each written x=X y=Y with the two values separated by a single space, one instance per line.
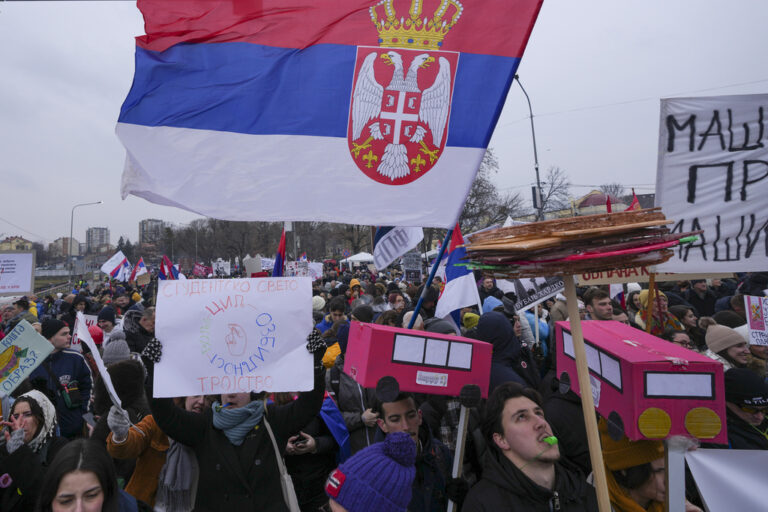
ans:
x=746 y=401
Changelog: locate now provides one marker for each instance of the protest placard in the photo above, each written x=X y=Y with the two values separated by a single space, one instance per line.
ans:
x=297 y=269
x=21 y=351
x=711 y=176
x=233 y=336
x=81 y=330
x=757 y=319
x=412 y=266
x=531 y=291
x=89 y=320
x=17 y=273
x=640 y=275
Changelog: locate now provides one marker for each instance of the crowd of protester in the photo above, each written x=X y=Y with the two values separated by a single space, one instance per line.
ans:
x=66 y=446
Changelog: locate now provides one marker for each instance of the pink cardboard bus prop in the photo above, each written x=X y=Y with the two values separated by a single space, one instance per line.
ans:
x=422 y=362
x=649 y=387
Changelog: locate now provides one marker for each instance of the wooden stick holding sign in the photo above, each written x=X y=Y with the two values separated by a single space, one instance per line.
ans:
x=649 y=308
x=470 y=398
x=587 y=402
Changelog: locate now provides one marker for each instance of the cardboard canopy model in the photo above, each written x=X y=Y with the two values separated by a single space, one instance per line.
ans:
x=421 y=362
x=644 y=386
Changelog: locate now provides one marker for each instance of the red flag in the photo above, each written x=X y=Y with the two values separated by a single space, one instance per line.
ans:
x=635 y=204
x=279 y=267
x=608 y=203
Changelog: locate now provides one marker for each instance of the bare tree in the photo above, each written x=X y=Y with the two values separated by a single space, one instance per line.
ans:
x=485 y=205
x=555 y=190
x=614 y=190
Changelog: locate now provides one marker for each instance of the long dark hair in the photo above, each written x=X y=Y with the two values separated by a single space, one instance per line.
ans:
x=80 y=455
x=35 y=409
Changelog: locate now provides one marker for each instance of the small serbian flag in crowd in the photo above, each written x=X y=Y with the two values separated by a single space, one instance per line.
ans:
x=261 y=110
x=277 y=270
x=460 y=288
x=167 y=270
x=117 y=267
x=139 y=269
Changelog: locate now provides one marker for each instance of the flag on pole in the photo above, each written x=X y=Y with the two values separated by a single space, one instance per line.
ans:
x=460 y=288
x=391 y=242
x=386 y=104
x=608 y=203
x=277 y=270
x=167 y=270
x=139 y=269
x=117 y=267
x=616 y=291
x=303 y=257
x=635 y=204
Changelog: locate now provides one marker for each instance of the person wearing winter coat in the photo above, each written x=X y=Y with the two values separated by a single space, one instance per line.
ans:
x=67 y=376
x=234 y=450
x=510 y=360
x=727 y=347
x=159 y=461
x=29 y=448
x=521 y=466
x=354 y=401
x=139 y=328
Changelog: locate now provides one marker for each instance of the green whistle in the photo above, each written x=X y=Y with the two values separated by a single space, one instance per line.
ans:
x=551 y=440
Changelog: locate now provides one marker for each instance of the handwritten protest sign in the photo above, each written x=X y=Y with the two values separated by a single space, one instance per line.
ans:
x=89 y=321
x=757 y=319
x=81 y=330
x=21 y=351
x=713 y=175
x=17 y=273
x=531 y=291
x=233 y=336
x=412 y=266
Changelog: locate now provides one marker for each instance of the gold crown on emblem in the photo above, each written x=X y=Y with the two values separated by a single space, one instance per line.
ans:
x=415 y=31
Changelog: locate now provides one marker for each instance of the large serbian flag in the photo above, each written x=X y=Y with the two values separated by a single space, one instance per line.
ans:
x=262 y=110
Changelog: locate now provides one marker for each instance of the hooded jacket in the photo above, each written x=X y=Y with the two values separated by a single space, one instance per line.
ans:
x=135 y=335
x=743 y=436
x=504 y=487
x=511 y=360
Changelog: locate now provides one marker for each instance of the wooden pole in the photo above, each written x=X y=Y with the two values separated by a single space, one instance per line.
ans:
x=458 y=456
x=587 y=403
x=649 y=308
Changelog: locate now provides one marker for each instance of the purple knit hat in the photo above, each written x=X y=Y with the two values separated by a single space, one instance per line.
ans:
x=377 y=478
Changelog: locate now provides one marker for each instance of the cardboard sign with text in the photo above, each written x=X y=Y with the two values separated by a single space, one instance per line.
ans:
x=639 y=275
x=233 y=336
x=757 y=319
x=17 y=273
x=21 y=351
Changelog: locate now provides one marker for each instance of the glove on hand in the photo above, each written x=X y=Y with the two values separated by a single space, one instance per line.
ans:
x=16 y=440
x=118 y=423
x=316 y=346
x=153 y=351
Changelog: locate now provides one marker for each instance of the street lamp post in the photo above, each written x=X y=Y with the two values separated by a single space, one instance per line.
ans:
x=71 y=226
x=537 y=196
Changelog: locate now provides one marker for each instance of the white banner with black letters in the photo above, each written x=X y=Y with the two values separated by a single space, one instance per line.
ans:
x=712 y=175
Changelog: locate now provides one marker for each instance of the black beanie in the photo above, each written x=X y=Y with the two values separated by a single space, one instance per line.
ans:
x=51 y=326
x=107 y=314
x=363 y=313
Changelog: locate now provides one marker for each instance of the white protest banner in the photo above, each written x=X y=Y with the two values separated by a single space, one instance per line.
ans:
x=711 y=176
x=412 y=267
x=17 y=273
x=315 y=270
x=21 y=351
x=757 y=319
x=221 y=267
x=89 y=321
x=729 y=479
x=233 y=336
x=391 y=242
x=81 y=329
x=531 y=291
x=296 y=269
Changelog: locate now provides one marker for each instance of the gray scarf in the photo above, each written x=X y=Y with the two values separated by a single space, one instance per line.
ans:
x=237 y=423
x=174 y=488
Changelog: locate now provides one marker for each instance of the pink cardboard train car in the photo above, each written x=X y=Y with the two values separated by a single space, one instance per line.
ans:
x=649 y=387
x=422 y=362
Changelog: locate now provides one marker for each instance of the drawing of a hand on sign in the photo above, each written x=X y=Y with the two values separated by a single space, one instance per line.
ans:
x=237 y=340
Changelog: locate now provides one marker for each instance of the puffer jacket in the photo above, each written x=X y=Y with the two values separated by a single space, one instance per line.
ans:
x=352 y=400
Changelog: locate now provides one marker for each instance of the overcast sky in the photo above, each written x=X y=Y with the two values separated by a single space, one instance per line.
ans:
x=594 y=69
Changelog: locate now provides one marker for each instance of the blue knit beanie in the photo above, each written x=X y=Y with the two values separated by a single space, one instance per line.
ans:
x=377 y=478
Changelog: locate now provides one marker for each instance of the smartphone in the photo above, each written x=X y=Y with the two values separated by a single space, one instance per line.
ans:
x=89 y=419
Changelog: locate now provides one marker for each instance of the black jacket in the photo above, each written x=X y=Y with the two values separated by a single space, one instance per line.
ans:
x=505 y=488
x=565 y=416
x=244 y=477
x=26 y=470
x=743 y=436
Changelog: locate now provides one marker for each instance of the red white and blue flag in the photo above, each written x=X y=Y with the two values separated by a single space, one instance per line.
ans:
x=167 y=270
x=261 y=110
x=460 y=288
x=279 y=268
x=139 y=269
x=117 y=267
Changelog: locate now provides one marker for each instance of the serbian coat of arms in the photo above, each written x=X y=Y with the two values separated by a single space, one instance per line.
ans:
x=401 y=94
